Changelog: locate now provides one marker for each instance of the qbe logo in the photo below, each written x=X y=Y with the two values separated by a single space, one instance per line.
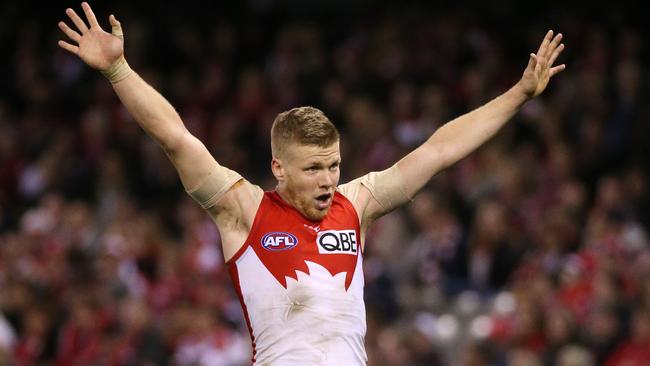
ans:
x=337 y=242
x=279 y=240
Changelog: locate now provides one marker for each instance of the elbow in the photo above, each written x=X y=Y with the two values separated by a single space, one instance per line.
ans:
x=172 y=143
x=441 y=157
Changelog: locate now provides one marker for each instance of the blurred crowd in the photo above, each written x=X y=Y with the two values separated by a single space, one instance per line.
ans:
x=534 y=250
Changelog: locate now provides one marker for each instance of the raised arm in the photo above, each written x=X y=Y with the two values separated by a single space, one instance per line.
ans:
x=456 y=139
x=105 y=52
x=459 y=137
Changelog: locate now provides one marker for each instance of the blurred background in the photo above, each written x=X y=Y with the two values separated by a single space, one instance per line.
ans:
x=534 y=250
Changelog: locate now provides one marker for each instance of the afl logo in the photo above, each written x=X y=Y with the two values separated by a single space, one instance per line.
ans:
x=279 y=240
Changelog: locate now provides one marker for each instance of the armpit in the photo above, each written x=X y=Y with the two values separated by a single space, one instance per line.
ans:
x=214 y=186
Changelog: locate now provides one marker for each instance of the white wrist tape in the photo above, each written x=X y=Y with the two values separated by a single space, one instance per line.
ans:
x=118 y=71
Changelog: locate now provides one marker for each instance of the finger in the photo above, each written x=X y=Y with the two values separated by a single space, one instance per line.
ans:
x=554 y=43
x=557 y=69
x=68 y=47
x=72 y=34
x=77 y=21
x=89 y=15
x=555 y=54
x=116 y=27
x=538 y=65
x=545 y=42
x=531 y=61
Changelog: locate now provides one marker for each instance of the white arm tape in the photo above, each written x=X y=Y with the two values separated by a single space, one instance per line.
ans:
x=387 y=188
x=214 y=186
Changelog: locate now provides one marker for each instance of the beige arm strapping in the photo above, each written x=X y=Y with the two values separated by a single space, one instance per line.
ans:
x=386 y=187
x=214 y=186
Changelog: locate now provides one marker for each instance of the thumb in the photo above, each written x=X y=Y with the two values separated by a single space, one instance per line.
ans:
x=532 y=60
x=116 y=27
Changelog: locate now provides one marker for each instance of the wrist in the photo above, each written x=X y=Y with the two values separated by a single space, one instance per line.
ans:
x=520 y=93
x=118 y=71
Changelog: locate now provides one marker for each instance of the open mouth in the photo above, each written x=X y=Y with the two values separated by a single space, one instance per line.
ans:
x=324 y=197
x=323 y=201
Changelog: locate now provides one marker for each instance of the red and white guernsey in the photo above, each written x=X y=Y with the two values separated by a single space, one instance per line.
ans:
x=300 y=284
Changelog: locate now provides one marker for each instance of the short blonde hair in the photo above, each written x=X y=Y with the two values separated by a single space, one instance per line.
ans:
x=304 y=126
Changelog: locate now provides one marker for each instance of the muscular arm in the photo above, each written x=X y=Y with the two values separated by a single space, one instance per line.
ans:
x=161 y=121
x=459 y=137
x=105 y=52
x=229 y=200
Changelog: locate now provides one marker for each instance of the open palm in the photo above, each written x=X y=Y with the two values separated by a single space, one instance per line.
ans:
x=96 y=47
x=540 y=67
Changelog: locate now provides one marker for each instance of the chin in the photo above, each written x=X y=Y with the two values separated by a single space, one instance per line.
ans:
x=316 y=215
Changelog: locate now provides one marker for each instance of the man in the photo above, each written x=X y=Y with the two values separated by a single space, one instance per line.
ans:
x=295 y=254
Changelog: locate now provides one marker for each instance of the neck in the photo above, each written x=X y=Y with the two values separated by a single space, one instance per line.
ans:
x=287 y=197
x=290 y=199
x=284 y=194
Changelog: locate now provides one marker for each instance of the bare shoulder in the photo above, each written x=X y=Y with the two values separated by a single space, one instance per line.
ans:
x=234 y=214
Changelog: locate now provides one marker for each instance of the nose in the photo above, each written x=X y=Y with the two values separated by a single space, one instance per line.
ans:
x=327 y=180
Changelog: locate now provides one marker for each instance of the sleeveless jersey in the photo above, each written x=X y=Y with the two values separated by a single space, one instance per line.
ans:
x=300 y=284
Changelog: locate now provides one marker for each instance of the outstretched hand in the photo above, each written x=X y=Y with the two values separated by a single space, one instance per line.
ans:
x=96 y=47
x=540 y=67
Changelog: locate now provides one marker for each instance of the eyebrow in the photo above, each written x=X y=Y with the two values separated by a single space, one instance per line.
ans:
x=309 y=164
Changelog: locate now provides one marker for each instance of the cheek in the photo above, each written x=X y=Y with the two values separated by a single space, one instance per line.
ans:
x=301 y=182
x=309 y=183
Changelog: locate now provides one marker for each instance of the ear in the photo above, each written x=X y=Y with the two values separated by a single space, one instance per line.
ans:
x=278 y=169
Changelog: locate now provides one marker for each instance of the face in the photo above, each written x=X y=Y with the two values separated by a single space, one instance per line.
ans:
x=307 y=177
